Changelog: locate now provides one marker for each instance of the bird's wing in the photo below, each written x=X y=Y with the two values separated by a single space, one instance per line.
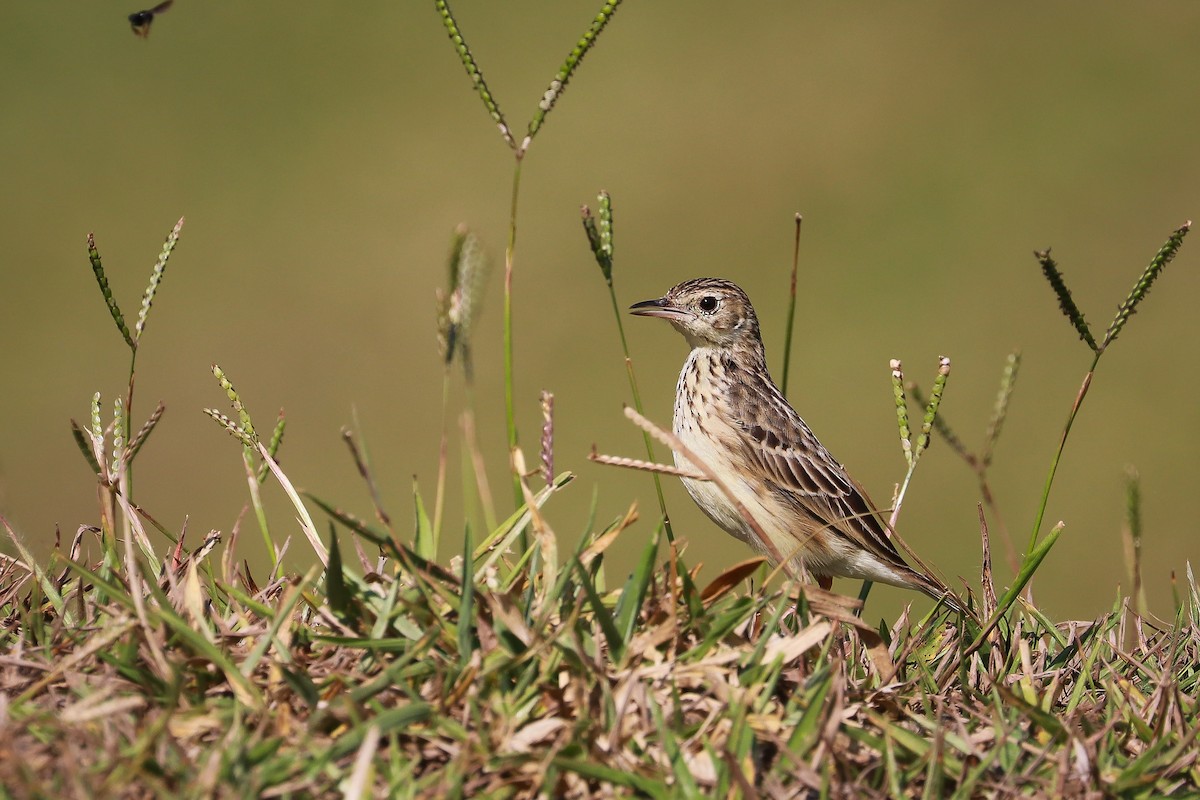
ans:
x=779 y=441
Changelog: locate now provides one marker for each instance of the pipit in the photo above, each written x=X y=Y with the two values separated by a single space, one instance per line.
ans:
x=731 y=416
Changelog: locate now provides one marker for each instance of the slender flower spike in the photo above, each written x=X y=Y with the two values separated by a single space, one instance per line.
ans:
x=473 y=71
x=247 y=427
x=1008 y=381
x=113 y=309
x=264 y=468
x=593 y=237
x=231 y=427
x=156 y=276
x=901 y=410
x=97 y=435
x=139 y=438
x=97 y=425
x=548 y=437
x=1065 y=301
x=935 y=399
x=1164 y=256
x=606 y=231
x=118 y=448
x=600 y=236
x=572 y=62
x=458 y=306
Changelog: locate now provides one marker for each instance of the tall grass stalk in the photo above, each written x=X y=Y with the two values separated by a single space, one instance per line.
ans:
x=912 y=450
x=600 y=235
x=791 y=315
x=458 y=307
x=1127 y=308
x=549 y=98
x=121 y=472
x=1037 y=550
x=510 y=254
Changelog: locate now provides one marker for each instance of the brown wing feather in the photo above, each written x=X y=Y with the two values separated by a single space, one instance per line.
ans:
x=788 y=450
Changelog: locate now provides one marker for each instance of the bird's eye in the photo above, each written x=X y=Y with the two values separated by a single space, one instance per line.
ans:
x=708 y=303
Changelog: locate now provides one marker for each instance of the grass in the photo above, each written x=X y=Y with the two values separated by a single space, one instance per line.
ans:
x=134 y=665
x=137 y=663
x=486 y=678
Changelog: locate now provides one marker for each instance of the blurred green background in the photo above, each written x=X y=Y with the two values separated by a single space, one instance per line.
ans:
x=323 y=154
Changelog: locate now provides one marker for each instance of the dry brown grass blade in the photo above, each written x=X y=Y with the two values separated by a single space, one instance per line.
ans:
x=731 y=577
x=547 y=542
x=986 y=579
x=605 y=540
x=645 y=466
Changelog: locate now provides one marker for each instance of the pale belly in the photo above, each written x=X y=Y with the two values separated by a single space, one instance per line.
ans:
x=714 y=502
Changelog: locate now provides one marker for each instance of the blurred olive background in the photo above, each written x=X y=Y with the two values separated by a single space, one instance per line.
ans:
x=323 y=154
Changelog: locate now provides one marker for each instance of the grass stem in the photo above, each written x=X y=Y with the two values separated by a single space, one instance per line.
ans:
x=791 y=316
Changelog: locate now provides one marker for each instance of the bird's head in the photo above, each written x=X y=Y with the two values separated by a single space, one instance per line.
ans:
x=709 y=312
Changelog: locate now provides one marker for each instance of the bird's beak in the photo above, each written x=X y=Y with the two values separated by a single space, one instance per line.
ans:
x=659 y=308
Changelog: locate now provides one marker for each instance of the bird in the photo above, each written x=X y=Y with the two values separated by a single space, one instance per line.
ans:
x=141 y=21
x=730 y=415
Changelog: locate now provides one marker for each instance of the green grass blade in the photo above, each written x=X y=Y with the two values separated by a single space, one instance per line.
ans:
x=424 y=542
x=634 y=593
x=337 y=593
x=1032 y=561
x=366 y=530
x=246 y=691
x=467 y=643
x=616 y=644
x=617 y=777
x=83 y=440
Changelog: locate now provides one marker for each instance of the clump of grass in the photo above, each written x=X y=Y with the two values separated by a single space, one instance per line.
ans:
x=116 y=476
x=1037 y=550
x=486 y=679
x=254 y=451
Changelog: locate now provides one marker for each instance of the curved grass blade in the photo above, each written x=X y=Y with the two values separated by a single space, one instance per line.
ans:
x=83 y=440
x=467 y=643
x=1032 y=561
x=634 y=592
x=337 y=593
